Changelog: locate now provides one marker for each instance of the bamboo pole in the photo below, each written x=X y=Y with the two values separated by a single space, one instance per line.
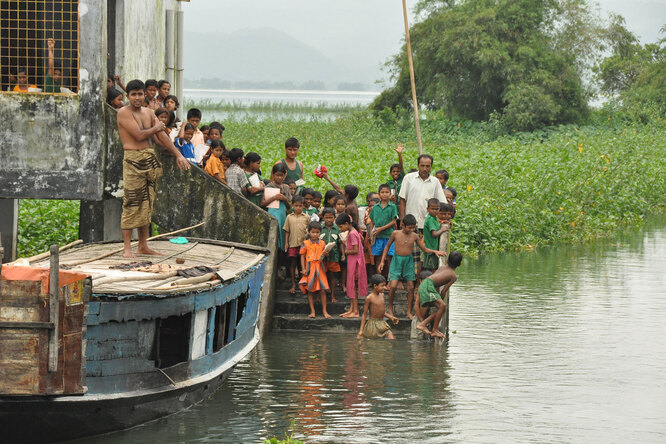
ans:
x=46 y=254
x=411 y=78
x=72 y=264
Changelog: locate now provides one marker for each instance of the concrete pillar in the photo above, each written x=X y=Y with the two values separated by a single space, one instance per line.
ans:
x=100 y=220
x=9 y=227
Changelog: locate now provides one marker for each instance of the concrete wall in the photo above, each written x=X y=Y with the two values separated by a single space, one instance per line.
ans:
x=185 y=198
x=142 y=21
x=51 y=145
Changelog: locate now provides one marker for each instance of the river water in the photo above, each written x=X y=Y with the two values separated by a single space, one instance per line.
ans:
x=563 y=344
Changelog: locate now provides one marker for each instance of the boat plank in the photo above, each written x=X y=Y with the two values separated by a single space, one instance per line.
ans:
x=125 y=366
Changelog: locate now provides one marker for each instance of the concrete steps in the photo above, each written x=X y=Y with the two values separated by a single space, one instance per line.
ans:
x=291 y=313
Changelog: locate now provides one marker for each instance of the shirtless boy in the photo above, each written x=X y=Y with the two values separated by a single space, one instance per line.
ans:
x=443 y=277
x=376 y=326
x=141 y=169
x=402 y=265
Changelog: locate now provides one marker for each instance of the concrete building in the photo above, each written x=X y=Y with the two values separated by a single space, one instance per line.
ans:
x=53 y=145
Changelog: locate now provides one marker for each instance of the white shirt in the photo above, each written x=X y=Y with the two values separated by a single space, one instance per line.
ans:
x=416 y=193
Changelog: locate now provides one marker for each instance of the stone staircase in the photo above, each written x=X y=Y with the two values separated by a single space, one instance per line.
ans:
x=291 y=313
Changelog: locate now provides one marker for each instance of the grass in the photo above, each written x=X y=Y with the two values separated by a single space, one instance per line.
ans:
x=563 y=184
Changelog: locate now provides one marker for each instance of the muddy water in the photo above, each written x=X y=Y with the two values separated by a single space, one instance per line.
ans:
x=559 y=345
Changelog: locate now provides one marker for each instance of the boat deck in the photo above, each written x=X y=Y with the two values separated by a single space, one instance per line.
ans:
x=196 y=265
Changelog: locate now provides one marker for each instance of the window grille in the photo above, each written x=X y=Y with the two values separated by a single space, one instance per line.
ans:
x=25 y=29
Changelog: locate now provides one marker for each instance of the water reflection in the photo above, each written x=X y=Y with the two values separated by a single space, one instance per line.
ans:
x=561 y=344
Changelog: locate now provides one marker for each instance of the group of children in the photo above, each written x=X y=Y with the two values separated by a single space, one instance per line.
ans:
x=328 y=239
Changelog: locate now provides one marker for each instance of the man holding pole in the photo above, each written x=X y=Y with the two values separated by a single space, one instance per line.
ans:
x=141 y=169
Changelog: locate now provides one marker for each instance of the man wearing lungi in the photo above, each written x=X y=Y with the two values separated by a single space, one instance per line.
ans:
x=138 y=126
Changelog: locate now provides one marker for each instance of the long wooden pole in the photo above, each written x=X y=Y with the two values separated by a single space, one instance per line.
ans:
x=411 y=78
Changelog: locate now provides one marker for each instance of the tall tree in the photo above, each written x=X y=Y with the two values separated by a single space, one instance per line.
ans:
x=523 y=59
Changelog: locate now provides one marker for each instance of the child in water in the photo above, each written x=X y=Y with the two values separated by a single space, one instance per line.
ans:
x=443 y=277
x=376 y=326
x=355 y=265
x=314 y=276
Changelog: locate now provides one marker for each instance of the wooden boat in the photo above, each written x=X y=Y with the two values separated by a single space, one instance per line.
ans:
x=104 y=344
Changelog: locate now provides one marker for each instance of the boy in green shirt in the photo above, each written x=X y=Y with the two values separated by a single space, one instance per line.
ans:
x=382 y=223
x=432 y=229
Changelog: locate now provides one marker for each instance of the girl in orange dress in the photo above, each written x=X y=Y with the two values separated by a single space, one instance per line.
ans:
x=312 y=269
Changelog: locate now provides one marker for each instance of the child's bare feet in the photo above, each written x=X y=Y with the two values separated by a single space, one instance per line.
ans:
x=345 y=314
x=424 y=329
x=437 y=334
x=409 y=315
x=326 y=315
x=146 y=250
x=311 y=315
x=354 y=314
x=129 y=254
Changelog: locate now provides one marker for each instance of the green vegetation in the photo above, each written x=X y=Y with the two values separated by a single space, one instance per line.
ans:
x=634 y=73
x=565 y=183
x=520 y=63
x=43 y=223
x=288 y=437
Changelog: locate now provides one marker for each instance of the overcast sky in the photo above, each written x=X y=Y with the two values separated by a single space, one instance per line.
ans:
x=362 y=33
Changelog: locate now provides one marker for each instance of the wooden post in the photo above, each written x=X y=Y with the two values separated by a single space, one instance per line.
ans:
x=54 y=276
x=411 y=78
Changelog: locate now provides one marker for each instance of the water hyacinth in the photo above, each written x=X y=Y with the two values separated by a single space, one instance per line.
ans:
x=522 y=190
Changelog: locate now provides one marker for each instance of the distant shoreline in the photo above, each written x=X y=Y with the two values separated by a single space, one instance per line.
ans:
x=283 y=91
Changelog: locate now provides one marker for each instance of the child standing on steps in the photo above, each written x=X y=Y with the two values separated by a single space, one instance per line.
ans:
x=295 y=227
x=314 y=276
x=402 y=265
x=331 y=233
x=355 y=265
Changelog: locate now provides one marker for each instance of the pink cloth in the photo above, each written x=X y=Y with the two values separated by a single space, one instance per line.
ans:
x=356 y=266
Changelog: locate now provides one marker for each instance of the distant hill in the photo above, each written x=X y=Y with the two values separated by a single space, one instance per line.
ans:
x=256 y=55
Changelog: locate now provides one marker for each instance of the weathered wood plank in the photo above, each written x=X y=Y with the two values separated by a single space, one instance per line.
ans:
x=113 y=367
x=19 y=362
x=54 y=335
x=73 y=359
x=27 y=325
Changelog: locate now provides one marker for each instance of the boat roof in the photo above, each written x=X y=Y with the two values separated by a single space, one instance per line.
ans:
x=204 y=264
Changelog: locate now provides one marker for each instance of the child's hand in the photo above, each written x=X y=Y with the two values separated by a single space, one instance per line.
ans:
x=440 y=253
x=50 y=43
x=398 y=149
x=380 y=267
x=359 y=335
x=395 y=320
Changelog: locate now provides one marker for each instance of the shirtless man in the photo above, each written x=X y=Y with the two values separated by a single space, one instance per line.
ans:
x=376 y=326
x=402 y=264
x=141 y=169
x=443 y=277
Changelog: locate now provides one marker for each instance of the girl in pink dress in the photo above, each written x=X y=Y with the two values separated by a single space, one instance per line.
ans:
x=355 y=265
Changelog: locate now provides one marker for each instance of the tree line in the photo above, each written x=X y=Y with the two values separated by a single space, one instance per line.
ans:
x=524 y=63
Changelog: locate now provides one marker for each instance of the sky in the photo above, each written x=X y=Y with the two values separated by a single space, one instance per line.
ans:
x=363 y=34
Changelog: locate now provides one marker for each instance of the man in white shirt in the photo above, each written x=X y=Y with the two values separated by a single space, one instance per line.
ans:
x=417 y=188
